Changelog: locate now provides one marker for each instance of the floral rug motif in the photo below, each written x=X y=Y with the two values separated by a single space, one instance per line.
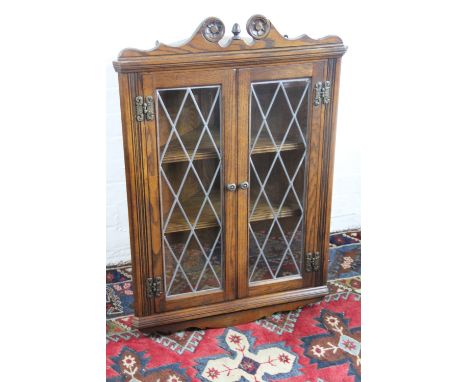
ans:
x=319 y=342
x=246 y=362
x=340 y=344
x=119 y=299
x=344 y=261
x=131 y=365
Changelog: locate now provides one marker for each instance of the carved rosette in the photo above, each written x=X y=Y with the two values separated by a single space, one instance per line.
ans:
x=213 y=29
x=258 y=27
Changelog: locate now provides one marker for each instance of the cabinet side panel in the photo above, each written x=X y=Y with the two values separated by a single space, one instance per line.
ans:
x=328 y=156
x=135 y=193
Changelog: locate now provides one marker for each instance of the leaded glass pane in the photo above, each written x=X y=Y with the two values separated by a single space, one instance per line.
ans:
x=278 y=147
x=189 y=133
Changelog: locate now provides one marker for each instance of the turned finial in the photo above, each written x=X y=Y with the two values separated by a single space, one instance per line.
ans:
x=236 y=31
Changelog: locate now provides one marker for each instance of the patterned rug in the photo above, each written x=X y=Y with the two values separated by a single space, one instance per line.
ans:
x=317 y=343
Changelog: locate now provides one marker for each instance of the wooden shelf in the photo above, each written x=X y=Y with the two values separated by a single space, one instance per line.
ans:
x=208 y=220
x=175 y=156
x=263 y=212
x=264 y=145
x=207 y=151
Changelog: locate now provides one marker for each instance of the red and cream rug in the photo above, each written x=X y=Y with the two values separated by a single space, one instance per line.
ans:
x=320 y=342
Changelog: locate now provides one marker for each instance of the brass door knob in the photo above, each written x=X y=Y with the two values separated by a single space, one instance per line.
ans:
x=244 y=185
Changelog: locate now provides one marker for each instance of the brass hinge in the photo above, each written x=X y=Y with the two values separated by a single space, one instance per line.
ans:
x=312 y=261
x=153 y=287
x=144 y=109
x=322 y=93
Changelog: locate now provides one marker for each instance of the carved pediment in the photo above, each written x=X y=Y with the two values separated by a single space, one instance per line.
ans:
x=208 y=39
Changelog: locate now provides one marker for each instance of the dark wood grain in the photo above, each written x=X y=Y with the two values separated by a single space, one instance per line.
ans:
x=233 y=65
x=314 y=164
x=238 y=305
x=229 y=319
x=136 y=193
x=198 y=44
x=243 y=174
x=328 y=158
x=197 y=51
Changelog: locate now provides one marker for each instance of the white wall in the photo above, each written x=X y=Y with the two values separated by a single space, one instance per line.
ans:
x=118 y=240
x=346 y=193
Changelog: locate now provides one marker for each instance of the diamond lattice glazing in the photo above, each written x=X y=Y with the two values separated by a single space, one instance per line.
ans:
x=189 y=132
x=278 y=147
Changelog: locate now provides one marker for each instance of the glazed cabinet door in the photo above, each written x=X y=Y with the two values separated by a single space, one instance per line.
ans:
x=279 y=133
x=193 y=213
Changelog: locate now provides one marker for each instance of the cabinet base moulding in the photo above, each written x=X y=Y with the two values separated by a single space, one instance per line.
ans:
x=229 y=313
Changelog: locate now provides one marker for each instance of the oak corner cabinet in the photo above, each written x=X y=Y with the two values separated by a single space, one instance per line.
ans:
x=229 y=150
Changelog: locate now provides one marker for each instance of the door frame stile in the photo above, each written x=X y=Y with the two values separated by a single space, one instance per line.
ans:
x=243 y=115
x=316 y=124
x=154 y=192
x=229 y=157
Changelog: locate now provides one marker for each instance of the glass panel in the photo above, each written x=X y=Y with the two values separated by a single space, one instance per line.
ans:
x=278 y=147
x=189 y=131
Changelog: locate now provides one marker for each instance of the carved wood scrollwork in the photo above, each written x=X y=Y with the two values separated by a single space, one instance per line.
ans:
x=213 y=29
x=258 y=27
x=208 y=38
